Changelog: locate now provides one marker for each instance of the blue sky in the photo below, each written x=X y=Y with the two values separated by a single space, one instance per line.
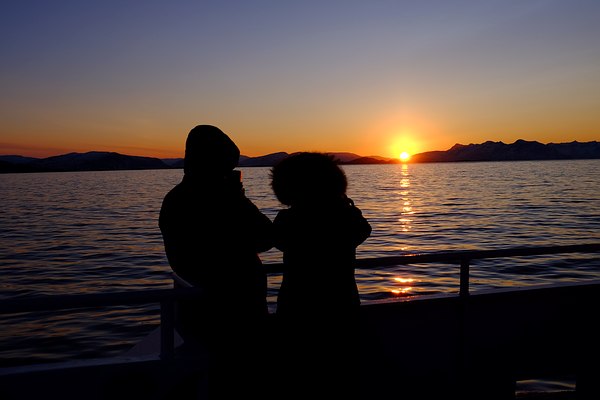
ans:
x=369 y=77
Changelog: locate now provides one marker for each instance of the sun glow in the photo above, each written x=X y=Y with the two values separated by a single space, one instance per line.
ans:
x=402 y=146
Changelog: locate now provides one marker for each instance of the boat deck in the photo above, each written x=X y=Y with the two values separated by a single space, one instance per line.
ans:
x=432 y=347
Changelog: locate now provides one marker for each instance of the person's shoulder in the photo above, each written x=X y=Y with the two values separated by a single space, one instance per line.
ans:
x=175 y=195
x=173 y=191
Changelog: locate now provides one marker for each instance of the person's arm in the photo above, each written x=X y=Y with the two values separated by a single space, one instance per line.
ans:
x=280 y=231
x=260 y=228
x=360 y=229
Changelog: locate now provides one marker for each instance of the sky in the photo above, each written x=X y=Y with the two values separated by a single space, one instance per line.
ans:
x=375 y=77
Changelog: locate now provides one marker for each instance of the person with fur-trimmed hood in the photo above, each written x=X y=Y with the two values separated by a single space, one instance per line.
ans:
x=318 y=301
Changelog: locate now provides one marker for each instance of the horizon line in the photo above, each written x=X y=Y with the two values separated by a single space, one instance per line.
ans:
x=276 y=152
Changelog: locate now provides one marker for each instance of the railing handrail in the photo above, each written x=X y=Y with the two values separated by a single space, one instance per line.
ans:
x=144 y=296
x=459 y=255
x=167 y=297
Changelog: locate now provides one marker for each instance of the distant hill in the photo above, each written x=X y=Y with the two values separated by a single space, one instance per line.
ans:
x=262 y=161
x=173 y=162
x=17 y=159
x=345 y=157
x=270 y=160
x=520 y=150
x=9 y=167
x=372 y=160
x=90 y=161
x=488 y=151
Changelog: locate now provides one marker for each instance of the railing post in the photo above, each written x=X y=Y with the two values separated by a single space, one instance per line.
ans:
x=464 y=277
x=167 y=328
x=463 y=367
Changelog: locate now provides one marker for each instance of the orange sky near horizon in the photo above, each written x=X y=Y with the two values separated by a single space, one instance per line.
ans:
x=371 y=78
x=170 y=144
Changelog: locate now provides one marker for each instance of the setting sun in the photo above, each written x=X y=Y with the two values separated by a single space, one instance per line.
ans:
x=403 y=146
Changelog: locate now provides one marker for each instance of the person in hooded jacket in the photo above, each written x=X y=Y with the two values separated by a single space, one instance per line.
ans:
x=213 y=235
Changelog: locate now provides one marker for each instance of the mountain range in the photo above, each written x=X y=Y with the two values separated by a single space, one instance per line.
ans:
x=520 y=150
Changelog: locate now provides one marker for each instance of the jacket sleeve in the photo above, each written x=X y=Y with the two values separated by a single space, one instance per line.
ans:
x=261 y=227
x=361 y=229
x=281 y=230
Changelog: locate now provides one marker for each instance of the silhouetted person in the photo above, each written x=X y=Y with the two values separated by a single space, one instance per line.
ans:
x=318 y=301
x=212 y=235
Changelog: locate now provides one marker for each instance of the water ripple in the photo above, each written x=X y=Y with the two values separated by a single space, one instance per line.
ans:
x=90 y=232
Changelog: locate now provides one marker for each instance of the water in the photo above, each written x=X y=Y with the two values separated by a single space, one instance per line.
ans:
x=87 y=232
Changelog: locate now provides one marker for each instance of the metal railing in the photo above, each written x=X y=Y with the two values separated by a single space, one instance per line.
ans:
x=463 y=258
x=167 y=297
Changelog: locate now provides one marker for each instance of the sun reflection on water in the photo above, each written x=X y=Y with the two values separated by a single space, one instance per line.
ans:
x=406 y=286
x=405 y=223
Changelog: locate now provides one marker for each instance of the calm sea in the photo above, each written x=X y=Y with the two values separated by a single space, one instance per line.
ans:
x=88 y=232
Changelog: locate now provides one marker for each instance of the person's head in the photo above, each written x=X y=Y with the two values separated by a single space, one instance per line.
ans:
x=209 y=151
x=308 y=178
